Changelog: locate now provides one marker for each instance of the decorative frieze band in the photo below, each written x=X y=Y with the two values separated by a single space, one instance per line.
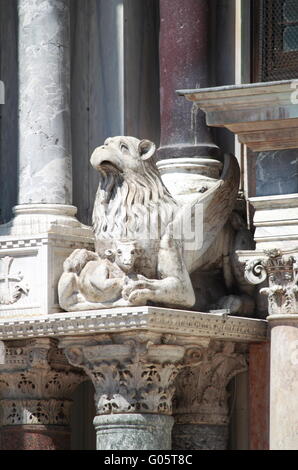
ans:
x=125 y=319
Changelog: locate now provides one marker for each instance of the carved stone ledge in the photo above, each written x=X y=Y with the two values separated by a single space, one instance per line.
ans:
x=154 y=319
x=281 y=270
x=36 y=384
x=263 y=115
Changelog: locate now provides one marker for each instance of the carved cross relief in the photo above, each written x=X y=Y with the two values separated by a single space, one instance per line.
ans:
x=11 y=284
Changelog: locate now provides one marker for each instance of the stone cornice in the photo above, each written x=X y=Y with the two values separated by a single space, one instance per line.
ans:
x=178 y=322
x=264 y=116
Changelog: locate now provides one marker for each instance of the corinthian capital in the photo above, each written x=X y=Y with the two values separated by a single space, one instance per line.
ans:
x=201 y=390
x=36 y=383
x=131 y=373
x=281 y=270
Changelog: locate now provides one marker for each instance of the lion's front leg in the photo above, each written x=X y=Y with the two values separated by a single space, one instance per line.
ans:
x=170 y=290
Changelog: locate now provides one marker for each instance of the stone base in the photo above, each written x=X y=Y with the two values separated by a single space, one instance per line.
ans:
x=186 y=177
x=133 y=432
x=33 y=248
x=34 y=437
x=200 y=437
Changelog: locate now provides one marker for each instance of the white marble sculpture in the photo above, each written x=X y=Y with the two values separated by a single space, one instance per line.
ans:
x=146 y=243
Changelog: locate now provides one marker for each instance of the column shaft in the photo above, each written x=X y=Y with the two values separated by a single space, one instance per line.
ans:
x=183 y=64
x=133 y=432
x=44 y=101
x=259 y=384
x=284 y=385
x=36 y=437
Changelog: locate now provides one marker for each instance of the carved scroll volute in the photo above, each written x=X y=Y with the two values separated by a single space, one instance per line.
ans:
x=255 y=271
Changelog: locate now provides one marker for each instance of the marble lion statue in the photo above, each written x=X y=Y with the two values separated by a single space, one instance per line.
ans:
x=147 y=244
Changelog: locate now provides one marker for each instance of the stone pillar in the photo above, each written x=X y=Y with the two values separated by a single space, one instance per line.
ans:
x=201 y=408
x=280 y=268
x=45 y=175
x=133 y=376
x=36 y=384
x=259 y=395
x=184 y=63
x=45 y=159
x=284 y=383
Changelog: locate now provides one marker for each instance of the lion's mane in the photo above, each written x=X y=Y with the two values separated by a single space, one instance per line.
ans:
x=123 y=201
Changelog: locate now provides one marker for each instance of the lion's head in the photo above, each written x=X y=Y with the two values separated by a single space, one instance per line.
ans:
x=130 y=190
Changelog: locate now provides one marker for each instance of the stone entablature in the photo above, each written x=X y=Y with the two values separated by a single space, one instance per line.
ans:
x=263 y=115
x=218 y=326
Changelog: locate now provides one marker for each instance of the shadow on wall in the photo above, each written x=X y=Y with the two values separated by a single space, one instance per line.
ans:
x=9 y=110
x=114 y=83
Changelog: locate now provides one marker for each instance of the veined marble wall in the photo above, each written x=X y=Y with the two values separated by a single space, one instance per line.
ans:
x=276 y=172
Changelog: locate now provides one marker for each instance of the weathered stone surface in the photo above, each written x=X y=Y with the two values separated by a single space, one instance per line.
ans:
x=147 y=244
x=201 y=409
x=133 y=432
x=200 y=437
x=201 y=389
x=276 y=221
x=44 y=75
x=259 y=391
x=36 y=384
x=280 y=267
x=37 y=437
x=283 y=384
x=183 y=51
x=263 y=115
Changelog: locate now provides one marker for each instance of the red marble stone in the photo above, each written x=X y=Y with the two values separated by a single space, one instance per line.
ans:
x=259 y=393
x=183 y=64
x=34 y=437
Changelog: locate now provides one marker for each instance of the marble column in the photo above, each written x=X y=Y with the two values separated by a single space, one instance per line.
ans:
x=201 y=408
x=133 y=375
x=186 y=140
x=284 y=383
x=45 y=160
x=259 y=395
x=280 y=268
x=44 y=95
x=36 y=385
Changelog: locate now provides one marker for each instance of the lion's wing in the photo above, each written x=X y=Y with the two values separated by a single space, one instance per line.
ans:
x=215 y=207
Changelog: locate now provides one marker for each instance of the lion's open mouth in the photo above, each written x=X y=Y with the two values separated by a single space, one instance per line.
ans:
x=106 y=165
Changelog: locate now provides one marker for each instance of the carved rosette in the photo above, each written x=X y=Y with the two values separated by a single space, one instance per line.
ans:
x=281 y=270
x=36 y=384
x=201 y=390
x=130 y=376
